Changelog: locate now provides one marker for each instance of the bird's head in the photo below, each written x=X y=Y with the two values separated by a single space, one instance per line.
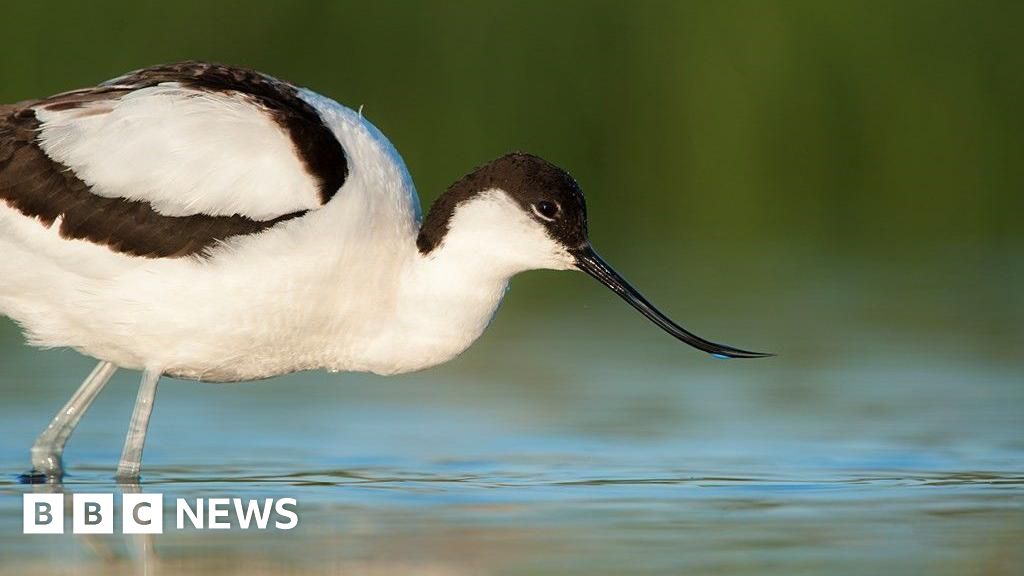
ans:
x=520 y=212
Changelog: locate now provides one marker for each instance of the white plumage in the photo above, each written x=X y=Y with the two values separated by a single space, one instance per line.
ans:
x=217 y=224
x=184 y=151
x=322 y=291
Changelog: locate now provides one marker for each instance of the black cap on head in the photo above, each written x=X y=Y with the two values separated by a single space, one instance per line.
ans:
x=538 y=186
x=554 y=199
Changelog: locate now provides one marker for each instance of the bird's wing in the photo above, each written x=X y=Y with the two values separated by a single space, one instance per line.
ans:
x=167 y=161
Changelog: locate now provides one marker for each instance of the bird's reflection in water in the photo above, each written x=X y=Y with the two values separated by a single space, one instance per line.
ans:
x=130 y=554
x=142 y=546
x=140 y=550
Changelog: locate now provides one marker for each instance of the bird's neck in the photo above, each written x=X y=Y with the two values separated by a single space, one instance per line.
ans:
x=449 y=296
x=444 y=301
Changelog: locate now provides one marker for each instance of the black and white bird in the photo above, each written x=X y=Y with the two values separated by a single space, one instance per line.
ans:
x=217 y=224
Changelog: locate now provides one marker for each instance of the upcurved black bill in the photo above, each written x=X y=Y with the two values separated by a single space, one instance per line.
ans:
x=588 y=261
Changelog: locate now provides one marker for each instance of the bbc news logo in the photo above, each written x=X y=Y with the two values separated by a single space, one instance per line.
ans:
x=144 y=513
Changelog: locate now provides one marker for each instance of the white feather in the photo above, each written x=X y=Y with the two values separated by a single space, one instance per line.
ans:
x=183 y=151
x=342 y=288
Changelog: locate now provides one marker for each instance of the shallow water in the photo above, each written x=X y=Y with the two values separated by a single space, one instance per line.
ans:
x=553 y=447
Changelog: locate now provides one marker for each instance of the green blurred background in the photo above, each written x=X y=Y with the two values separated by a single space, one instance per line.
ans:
x=854 y=164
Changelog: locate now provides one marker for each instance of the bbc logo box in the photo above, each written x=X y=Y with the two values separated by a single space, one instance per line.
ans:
x=144 y=513
x=42 y=514
x=92 y=513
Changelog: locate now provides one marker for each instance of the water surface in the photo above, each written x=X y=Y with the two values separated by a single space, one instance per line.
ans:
x=556 y=447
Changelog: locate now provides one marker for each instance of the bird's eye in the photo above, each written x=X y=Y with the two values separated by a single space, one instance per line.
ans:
x=546 y=210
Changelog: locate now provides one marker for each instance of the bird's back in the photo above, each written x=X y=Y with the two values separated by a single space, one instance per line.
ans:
x=196 y=209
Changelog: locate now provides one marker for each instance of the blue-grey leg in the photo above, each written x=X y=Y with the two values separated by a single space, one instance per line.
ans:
x=131 y=456
x=48 y=448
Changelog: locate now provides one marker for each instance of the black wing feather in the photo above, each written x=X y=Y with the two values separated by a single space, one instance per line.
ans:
x=39 y=187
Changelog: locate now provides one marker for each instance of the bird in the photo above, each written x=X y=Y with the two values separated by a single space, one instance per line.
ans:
x=213 y=223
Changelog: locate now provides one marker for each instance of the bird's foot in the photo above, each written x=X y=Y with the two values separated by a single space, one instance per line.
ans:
x=35 y=476
x=47 y=467
x=128 y=475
